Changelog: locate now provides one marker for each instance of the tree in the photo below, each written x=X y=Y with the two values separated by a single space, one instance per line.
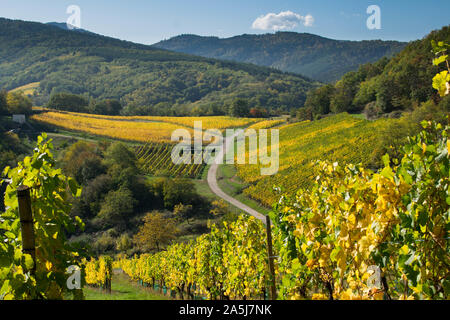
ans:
x=110 y=107
x=17 y=103
x=116 y=209
x=183 y=211
x=385 y=94
x=90 y=168
x=319 y=99
x=3 y=103
x=122 y=167
x=304 y=114
x=219 y=208
x=366 y=93
x=68 y=102
x=82 y=161
x=156 y=231
x=222 y=210
x=118 y=154
x=177 y=191
x=105 y=242
x=124 y=243
x=94 y=193
x=342 y=99
x=345 y=91
x=258 y=112
x=239 y=108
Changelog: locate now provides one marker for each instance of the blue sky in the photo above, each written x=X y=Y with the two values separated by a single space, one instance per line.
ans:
x=149 y=21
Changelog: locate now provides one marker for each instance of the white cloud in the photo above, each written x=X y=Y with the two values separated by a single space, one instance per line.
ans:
x=284 y=20
x=308 y=21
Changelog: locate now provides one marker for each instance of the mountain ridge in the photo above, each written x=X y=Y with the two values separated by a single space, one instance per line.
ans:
x=65 y=26
x=308 y=54
x=147 y=80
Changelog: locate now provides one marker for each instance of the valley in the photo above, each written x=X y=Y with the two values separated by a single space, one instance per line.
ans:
x=104 y=142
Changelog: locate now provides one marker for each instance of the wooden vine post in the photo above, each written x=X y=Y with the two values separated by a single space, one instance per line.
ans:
x=27 y=224
x=108 y=284
x=273 y=289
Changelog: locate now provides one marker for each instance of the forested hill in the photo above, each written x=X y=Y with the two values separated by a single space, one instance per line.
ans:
x=388 y=86
x=319 y=58
x=64 y=26
x=145 y=79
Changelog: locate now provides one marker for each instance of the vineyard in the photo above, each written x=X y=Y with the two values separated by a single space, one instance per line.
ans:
x=155 y=159
x=362 y=235
x=211 y=122
x=229 y=262
x=354 y=234
x=117 y=129
x=208 y=122
x=99 y=272
x=155 y=156
x=91 y=122
x=341 y=138
x=267 y=124
x=341 y=231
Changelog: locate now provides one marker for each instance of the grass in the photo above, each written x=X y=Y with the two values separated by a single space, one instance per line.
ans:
x=202 y=188
x=232 y=185
x=229 y=182
x=123 y=288
x=360 y=116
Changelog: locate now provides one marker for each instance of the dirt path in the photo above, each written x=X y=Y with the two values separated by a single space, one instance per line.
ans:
x=59 y=135
x=212 y=182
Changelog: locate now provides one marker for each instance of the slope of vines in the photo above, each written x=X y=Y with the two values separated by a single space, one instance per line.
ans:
x=155 y=159
x=230 y=262
x=354 y=234
x=341 y=138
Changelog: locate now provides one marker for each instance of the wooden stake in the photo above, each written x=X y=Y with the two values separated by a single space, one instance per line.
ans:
x=273 y=289
x=108 y=284
x=27 y=224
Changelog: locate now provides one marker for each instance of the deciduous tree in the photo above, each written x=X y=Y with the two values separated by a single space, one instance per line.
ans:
x=156 y=232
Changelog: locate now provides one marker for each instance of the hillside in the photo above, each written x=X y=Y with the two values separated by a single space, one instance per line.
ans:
x=319 y=58
x=64 y=26
x=147 y=80
x=397 y=90
x=342 y=138
x=135 y=129
x=388 y=86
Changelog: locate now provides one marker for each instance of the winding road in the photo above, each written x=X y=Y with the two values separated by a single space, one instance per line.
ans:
x=212 y=182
